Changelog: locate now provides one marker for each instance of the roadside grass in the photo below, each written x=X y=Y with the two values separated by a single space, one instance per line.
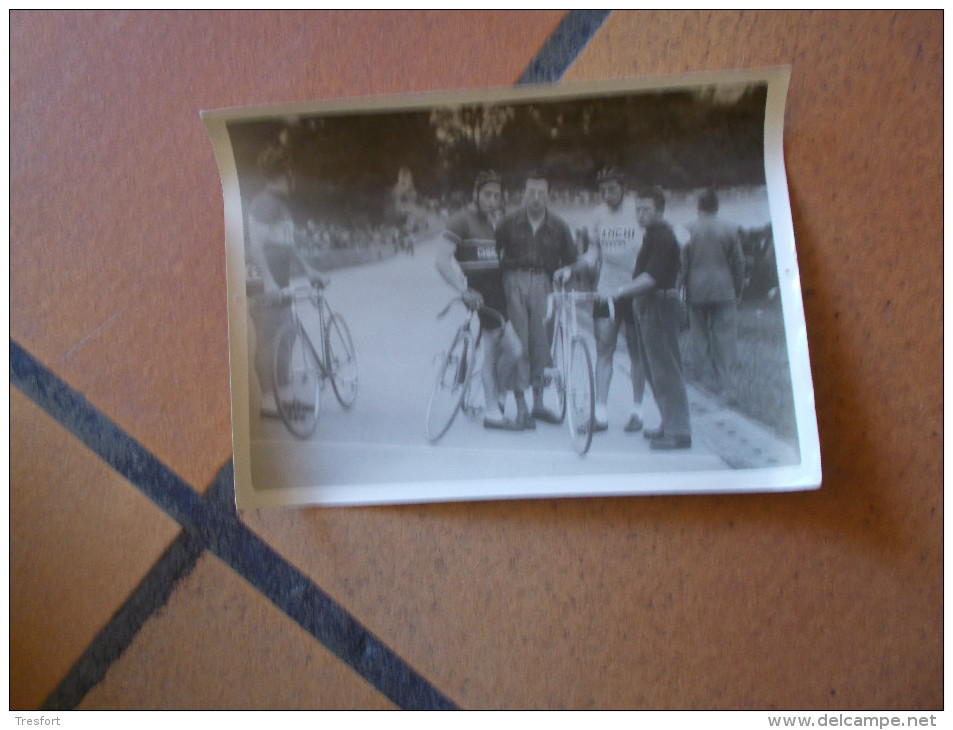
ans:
x=764 y=390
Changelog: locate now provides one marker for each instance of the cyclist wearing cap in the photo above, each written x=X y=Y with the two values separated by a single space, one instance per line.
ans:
x=616 y=239
x=472 y=266
x=271 y=249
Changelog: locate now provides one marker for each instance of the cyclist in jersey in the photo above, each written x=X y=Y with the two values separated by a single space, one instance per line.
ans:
x=616 y=239
x=472 y=266
x=271 y=249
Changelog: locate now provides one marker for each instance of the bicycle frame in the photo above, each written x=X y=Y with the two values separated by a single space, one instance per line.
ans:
x=297 y=403
x=450 y=394
x=563 y=304
x=567 y=340
x=315 y=296
x=561 y=300
x=471 y=324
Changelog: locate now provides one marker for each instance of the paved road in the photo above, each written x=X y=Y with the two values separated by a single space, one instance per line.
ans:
x=391 y=309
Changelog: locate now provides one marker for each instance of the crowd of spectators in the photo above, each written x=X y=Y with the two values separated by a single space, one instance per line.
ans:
x=317 y=237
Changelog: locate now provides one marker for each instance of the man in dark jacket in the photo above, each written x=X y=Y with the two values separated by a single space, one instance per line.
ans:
x=533 y=243
x=658 y=308
x=713 y=269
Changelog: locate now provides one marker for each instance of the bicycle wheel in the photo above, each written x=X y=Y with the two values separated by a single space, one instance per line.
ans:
x=453 y=379
x=297 y=380
x=340 y=360
x=580 y=396
x=559 y=373
x=472 y=404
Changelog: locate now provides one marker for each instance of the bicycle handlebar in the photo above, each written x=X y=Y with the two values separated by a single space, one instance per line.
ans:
x=484 y=309
x=577 y=296
x=288 y=293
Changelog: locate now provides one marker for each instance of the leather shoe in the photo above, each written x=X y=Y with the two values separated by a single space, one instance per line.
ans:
x=668 y=443
x=541 y=413
x=653 y=433
x=598 y=426
x=501 y=424
x=525 y=422
x=634 y=425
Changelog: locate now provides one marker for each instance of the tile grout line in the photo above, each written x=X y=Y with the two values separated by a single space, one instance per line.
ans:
x=146 y=599
x=211 y=522
x=300 y=599
x=565 y=44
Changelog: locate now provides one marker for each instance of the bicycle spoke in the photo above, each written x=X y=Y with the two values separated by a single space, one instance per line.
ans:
x=450 y=387
x=558 y=371
x=580 y=396
x=341 y=362
x=297 y=381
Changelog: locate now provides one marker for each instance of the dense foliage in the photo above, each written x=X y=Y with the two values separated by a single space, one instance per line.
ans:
x=346 y=165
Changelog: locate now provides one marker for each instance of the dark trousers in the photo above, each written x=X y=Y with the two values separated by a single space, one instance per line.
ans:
x=659 y=315
x=526 y=293
x=606 y=333
x=714 y=342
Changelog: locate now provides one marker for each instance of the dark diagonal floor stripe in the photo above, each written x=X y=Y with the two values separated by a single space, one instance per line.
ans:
x=210 y=523
x=312 y=609
x=113 y=445
x=150 y=595
x=562 y=47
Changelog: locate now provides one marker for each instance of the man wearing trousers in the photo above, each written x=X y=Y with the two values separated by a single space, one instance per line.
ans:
x=713 y=269
x=658 y=309
x=533 y=243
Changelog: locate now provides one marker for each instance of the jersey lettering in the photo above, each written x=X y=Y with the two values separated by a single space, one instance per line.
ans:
x=486 y=253
x=618 y=233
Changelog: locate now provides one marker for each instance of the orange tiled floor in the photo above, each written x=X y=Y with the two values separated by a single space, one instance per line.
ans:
x=824 y=600
x=81 y=538
x=216 y=625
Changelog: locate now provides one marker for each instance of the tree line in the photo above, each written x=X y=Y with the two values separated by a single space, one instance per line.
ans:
x=346 y=164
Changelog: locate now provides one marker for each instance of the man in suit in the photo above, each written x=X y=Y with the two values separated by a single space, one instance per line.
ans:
x=713 y=270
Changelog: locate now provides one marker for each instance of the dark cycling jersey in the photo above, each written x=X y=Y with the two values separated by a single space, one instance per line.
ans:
x=475 y=251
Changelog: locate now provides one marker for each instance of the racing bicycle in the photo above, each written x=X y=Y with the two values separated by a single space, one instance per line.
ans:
x=457 y=369
x=301 y=369
x=571 y=372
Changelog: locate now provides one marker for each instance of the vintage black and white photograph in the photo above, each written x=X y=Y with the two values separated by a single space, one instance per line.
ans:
x=549 y=291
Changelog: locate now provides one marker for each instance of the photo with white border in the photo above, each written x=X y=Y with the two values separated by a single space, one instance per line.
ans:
x=585 y=289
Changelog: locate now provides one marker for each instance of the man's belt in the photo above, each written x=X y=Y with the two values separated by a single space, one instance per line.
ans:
x=530 y=269
x=661 y=293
